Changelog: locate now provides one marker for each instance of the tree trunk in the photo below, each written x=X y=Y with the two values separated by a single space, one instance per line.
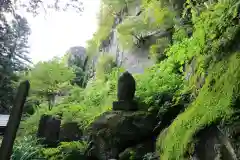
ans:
x=51 y=100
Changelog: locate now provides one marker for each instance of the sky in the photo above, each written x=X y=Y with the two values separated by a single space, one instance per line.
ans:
x=53 y=34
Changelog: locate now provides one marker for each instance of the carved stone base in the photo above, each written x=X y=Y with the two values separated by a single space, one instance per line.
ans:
x=125 y=106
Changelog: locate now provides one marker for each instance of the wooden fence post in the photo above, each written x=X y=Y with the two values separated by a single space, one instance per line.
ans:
x=14 y=121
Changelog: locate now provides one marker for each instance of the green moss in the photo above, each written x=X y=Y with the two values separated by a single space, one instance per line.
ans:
x=214 y=33
x=212 y=103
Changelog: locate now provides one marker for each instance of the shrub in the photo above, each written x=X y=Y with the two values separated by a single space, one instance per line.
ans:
x=26 y=148
x=66 y=151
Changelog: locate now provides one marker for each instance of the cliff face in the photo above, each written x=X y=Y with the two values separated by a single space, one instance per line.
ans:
x=136 y=59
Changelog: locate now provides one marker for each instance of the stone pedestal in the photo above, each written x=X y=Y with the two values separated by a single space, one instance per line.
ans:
x=125 y=105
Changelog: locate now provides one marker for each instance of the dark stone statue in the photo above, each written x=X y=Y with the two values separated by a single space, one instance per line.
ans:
x=126 y=87
x=125 y=93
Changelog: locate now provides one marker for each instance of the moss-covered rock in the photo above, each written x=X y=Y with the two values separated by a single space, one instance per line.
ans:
x=114 y=131
x=138 y=152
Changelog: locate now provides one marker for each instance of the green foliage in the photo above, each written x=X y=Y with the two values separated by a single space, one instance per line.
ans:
x=109 y=11
x=213 y=102
x=66 y=151
x=78 y=63
x=82 y=105
x=104 y=28
x=215 y=32
x=117 y=5
x=49 y=78
x=26 y=148
x=14 y=55
x=156 y=51
x=105 y=64
x=154 y=17
x=75 y=95
x=154 y=81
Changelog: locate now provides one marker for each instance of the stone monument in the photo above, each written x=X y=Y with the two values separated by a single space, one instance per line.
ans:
x=125 y=93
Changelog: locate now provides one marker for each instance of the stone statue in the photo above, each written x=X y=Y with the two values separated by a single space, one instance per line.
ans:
x=125 y=93
x=126 y=87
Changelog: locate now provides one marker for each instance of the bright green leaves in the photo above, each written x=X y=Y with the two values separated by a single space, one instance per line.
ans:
x=156 y=80
x=215 y=33
x=214 y=101
x=154 y=17
x=106 y=21
x=49 y=77
x=105 y=64
x=108 y=11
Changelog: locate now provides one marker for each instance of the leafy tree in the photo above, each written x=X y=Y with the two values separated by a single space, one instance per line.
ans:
x=49 y=79
x=14 y=39
x=13 y=55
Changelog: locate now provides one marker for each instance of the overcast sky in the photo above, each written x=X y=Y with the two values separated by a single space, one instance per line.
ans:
x=53 y=35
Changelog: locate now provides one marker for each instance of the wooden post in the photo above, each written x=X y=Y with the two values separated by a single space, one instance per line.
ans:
x=14 y=121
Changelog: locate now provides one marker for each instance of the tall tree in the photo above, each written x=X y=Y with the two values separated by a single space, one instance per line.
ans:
x=13 y=55
x=14 y=39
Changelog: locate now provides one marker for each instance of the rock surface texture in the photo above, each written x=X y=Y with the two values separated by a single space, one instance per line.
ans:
x=48 y=130
x=114 y=131
x=70 y=132
x=214 y=144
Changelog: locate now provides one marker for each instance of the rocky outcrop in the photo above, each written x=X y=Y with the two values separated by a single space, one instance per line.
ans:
x=134 y=60
x=77 y=56
x=127 y=131
x=114 y=131
x=70 y=132
x=138 y=152
x=78 y=60
x=214 y=144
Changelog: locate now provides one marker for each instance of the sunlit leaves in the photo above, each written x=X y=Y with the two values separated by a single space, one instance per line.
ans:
x=49 y=77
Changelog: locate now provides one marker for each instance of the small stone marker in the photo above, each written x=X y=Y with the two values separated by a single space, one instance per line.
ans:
x=125 y=93
x=48 y=130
